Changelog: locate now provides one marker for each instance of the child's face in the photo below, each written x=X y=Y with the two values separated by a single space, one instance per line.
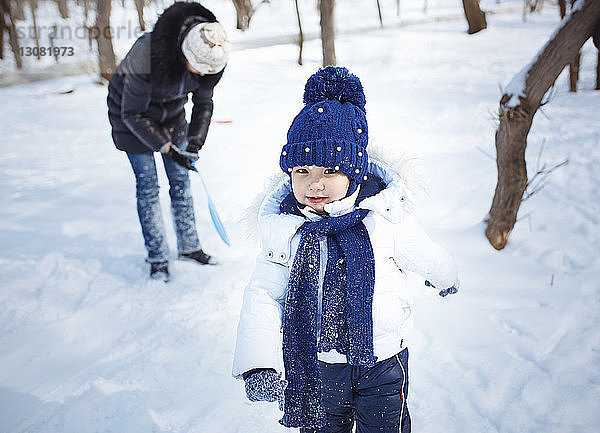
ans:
x=316 y=186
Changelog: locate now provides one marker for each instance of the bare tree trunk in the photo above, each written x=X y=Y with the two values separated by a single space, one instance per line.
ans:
x=532 y=6
x=139 y=5
x=63 y=8
x=596 y=40
x=574 y=67
x=33 y=5
x=516 y=118
x=562 y=7
x=13 y=36
x=475 y=17
x=379 y=12
x=3 y=29
x=300 y=34
x=18 y=10
x=574 y=73
x=328 y=31
x=103 y=36
x=51 y=38
x=598 y=72
x=244 y=11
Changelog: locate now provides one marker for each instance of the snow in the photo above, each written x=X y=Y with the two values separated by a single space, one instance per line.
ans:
x=89 y=344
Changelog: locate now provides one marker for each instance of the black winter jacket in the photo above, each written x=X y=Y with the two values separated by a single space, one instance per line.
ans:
x=148 y=91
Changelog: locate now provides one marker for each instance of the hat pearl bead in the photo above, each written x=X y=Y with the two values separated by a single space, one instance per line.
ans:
x=307 y=149
x=359 y=131
x=320 y=109
x=359 y=153
x=357 y=171
x=339 y=149
x=290 y=170
x=364 y=177
x=284 y=153
x=336 y=168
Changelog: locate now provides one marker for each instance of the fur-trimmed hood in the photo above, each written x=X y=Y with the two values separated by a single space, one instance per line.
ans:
x=167 y=60
x=402 y=189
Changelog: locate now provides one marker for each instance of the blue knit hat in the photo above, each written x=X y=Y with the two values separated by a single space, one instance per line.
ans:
x=331 y=130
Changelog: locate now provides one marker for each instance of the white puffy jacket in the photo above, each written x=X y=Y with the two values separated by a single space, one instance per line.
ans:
x=399 y=244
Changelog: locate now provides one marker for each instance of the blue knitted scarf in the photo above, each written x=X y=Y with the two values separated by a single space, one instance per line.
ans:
x=346 y=321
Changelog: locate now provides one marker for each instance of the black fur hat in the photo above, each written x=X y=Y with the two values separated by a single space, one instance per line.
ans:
x=167 y=60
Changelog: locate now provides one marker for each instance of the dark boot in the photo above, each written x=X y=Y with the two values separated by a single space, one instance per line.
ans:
x=199 y=257
x=159 y=271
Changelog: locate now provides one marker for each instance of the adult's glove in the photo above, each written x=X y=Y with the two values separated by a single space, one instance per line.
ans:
x=181 y=157
x=445 y=292
x=265 y=384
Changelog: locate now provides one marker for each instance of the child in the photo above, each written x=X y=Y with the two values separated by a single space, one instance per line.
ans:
x=337 y=236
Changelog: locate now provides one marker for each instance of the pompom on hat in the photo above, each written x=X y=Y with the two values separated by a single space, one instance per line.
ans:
x=206 y=47
x=331 y=130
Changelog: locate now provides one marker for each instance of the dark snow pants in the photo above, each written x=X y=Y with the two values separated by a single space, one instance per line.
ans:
x=373 y=397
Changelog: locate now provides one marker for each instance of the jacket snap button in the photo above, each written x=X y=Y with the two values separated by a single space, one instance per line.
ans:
x=282 y=256
x=402 y=198
x=270 y=254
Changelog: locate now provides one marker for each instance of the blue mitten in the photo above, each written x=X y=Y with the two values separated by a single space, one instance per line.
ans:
x=264 y=384
x=445 y=292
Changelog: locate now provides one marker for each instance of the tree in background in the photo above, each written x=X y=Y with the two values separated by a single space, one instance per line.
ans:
x=597 y=44
x=474 y=15
x=7 y=25
x=326 y=7
x=300 y=33
x=102 y=34
x=244 y=11
x=574 y=64
x=139 y=6
x=13 y=10
x=63 y=8
x=519 y=104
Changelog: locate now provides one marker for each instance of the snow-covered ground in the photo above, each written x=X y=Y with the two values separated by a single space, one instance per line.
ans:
x=89 y=344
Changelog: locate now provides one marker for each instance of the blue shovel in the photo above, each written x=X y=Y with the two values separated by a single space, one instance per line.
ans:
x=214 y=215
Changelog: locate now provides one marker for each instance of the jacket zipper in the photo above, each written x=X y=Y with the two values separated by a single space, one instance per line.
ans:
x=402 y=390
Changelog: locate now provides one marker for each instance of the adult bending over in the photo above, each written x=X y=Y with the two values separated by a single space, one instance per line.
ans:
x=185 y=53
